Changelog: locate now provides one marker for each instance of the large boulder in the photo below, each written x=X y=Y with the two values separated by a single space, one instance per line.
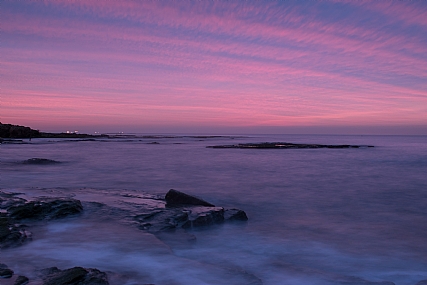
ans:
x=177 y=198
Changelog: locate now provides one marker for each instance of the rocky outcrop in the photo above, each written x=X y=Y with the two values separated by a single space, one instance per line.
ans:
x=15 y=210
x=15 y=131
x=285 y=145
x=186 y=211
x=8 y=131
x=74 y=276
x=11 y=233
x=45 y=209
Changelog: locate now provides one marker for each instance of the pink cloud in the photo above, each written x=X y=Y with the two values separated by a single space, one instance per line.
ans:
x=284 y=70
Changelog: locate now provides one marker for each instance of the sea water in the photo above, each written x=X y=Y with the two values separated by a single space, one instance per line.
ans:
x=316 y=216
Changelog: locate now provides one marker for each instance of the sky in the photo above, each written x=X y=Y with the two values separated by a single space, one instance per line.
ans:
x=321 y=67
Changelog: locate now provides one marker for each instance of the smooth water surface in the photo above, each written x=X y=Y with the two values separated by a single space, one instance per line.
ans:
x=316 y=216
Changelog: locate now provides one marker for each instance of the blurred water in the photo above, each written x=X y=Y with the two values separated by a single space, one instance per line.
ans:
x=316 y=216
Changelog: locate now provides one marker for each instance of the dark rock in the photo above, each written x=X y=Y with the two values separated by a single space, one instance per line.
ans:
x=6 y=273
x=9 y=199
x=285 y=145
x=49 y=208
x=40 y=161
x=74 y=276
x=185 y=211
x=422 y=282
x=177 y=198
x=204 y=216
x=15 y=131
x=11 y=234
x=21 y=280
x=235 y=215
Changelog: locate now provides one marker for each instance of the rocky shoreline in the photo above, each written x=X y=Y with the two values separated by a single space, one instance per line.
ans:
x=9 y=131
x=156 y=215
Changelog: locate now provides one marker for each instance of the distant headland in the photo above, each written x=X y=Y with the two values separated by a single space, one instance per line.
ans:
x=9 y=131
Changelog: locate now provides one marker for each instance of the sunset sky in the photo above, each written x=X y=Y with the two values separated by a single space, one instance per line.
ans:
x=215 y=66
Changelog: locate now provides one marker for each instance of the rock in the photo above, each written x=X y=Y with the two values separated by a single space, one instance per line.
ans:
x=11 y=234
x=74 y=276
x=235 y=215
x=21 y=280
x=15 y=131
x=9 y=199
x=270 y=145
x=422 y=282
x=5 y=272
x=204 y=216
x=177 y=198
x=185 y=211
x=48 y=208
x=40 y=161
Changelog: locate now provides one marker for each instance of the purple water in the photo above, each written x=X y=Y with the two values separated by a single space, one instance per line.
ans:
x=316 y=216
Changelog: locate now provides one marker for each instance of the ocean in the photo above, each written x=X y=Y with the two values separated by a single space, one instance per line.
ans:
x=316 y=216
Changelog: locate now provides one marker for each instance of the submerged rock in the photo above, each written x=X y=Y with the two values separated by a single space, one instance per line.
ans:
x=40 y=161
x=177 y=198
x=422 y=282
x=74 y=276
x=270 y=145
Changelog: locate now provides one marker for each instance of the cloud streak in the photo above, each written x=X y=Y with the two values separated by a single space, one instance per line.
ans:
x=168 y=63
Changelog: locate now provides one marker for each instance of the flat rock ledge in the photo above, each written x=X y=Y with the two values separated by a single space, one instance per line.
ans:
x=175 y=210
x=14 y=211
x=274 y=145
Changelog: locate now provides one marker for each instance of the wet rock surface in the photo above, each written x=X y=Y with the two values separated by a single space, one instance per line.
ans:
x=74 y=276
x=12 y=234
x=21 y=280
x=45 y=208
x=5 y=272
x=15 y=210
x=285 y=145
x=186 y=211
